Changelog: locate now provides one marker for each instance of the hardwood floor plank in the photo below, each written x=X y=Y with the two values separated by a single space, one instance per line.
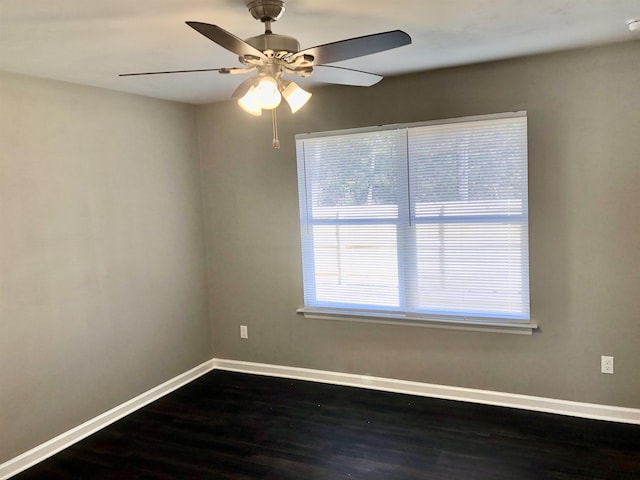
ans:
x=238 y=426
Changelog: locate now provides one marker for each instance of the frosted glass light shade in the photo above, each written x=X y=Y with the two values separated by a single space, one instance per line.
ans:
x=249 y=103
x=295 y=96
x=266 y=93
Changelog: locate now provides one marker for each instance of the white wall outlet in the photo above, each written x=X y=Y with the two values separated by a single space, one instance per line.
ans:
x=606 y=364
x=244 y=332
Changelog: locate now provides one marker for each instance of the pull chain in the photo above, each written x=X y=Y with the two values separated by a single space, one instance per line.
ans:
x=274 y=122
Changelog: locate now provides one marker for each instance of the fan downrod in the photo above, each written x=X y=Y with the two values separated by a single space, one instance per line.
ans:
x=268 y=11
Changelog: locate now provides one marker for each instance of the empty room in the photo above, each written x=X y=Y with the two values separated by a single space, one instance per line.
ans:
x=320 y=239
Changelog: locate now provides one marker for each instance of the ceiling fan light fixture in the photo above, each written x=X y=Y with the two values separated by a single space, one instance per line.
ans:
x=295 y=96
x=249 y=103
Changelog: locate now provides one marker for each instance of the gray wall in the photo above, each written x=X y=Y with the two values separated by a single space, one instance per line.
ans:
x=584 y=140
x=102 y=262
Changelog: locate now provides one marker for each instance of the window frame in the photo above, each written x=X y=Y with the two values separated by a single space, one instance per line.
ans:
x=364 y=313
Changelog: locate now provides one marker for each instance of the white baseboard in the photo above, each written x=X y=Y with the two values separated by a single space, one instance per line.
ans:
x=485 y=397
x=68 y=438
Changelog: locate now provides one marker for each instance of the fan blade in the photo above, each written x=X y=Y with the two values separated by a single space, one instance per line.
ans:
x=225 y=70
x=356 y=47
x=174 y=71
x=344 y=76
x=226 y=39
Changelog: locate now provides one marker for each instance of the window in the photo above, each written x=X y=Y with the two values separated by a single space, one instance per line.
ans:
x=427 y=222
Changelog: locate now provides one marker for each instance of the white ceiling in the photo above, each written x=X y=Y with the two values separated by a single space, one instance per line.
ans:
x=90 y=42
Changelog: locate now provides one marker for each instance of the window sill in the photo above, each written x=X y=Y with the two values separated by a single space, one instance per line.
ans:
x=449 y=323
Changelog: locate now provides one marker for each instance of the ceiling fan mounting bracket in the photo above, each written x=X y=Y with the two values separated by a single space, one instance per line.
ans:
x=266 y=11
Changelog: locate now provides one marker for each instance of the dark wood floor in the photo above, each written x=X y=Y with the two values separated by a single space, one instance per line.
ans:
x=236 y=426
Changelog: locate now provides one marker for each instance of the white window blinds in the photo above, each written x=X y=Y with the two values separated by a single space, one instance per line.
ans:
x=423 y=220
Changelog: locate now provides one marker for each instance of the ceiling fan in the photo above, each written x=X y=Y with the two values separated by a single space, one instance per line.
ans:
x=273 y=56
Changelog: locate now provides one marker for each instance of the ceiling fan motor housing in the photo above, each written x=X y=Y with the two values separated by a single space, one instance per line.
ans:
x=266 y=10
x=275 y=42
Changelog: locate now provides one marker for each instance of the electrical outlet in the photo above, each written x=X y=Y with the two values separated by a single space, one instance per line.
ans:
x=606 y=364
x=244 y=332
